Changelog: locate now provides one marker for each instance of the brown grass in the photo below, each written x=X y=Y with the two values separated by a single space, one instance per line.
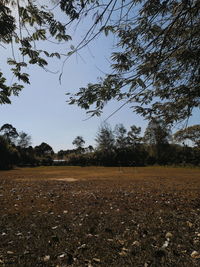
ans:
x=90 y=216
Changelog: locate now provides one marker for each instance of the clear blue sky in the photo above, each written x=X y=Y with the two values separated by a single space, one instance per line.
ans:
x=41 y=109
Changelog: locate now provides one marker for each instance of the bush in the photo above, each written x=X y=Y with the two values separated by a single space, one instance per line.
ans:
x=9 y=155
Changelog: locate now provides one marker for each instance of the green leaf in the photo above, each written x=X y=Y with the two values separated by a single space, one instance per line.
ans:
x=141 y=83
x=11 y=61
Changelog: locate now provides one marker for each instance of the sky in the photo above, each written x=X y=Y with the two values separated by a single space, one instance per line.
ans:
x=41 y=109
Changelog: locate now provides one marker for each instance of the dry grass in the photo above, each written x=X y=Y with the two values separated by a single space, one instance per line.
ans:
x=90 y=216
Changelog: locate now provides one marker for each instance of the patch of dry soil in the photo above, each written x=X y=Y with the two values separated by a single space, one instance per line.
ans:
x=67 y=179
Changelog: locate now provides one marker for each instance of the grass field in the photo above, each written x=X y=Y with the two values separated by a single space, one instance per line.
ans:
x=95 y=216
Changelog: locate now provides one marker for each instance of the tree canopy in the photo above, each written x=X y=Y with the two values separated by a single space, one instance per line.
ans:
x=157 y=133
x=78 y=142
x=9 y=132
x=191 y=133
x=121 y=138
x=24 y=24
x=155 y=64
x=44 y=149
x=105 y=138
x=24 y=140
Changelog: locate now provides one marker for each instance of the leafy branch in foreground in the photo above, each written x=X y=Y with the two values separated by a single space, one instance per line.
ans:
x=156 y=65
x=23 y=25
x=191 y=133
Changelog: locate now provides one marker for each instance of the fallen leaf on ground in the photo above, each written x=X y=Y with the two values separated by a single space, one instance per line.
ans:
x=195 y=255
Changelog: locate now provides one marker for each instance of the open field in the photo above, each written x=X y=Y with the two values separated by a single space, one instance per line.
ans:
x=95 y=216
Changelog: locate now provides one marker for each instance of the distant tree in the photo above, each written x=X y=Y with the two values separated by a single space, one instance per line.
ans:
x=8 y=154
x=157 y=135
x=90 y=148
x=157 y=132
x=44 y=150
x=61 y=153
x=27 y=155
x=9 y=132
x=105 y=138
x=134 y=135
x=191 y=133
x=105 y=153
x=120 y=136
x=24 y=140
x=79 y=142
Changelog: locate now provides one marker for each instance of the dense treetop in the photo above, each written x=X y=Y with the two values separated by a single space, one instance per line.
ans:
x=191 y=133
x=156 y=62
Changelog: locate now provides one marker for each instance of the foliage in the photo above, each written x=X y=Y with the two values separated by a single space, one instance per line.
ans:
x=121 y=147
x=8 y=154
x=80 y=159
x=126 y=147
x=157 y=136
x=44 y=149
x=157 y=132
x=23 y=24
x=156 y=63
x=9 y=132
x=27 y=156
x=120 y=136
x=24 y=140
x=105 y=138
x=14 y=148
x=191 y=133
x=134 y=135
x=79 y=142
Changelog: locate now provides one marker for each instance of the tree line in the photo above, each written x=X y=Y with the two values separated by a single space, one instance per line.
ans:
x=16 y=149
x=114 y=147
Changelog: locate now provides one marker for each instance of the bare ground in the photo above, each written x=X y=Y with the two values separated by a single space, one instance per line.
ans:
x=73 y=216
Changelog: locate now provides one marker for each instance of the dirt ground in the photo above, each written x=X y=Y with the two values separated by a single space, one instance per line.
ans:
x=95 y=216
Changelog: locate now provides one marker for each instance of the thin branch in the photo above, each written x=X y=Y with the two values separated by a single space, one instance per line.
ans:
x=12 y=48
x=167 y=29
x=129 y=100
x=19 y=20
x=82 y=44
